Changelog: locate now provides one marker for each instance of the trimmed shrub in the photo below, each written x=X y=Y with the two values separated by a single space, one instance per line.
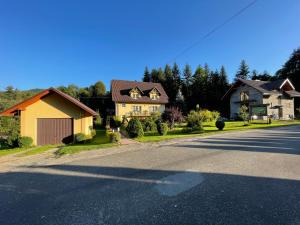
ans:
x=114 y=137
x=220 y=124
x=25 y=142
x=134 y=128
x=149 y=125
x=162 y=128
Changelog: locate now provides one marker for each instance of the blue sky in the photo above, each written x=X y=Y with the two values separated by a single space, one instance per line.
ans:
x=54 y=42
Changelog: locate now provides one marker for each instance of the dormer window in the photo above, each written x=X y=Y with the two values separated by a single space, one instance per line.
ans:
x=154 y=95
x=135 y=93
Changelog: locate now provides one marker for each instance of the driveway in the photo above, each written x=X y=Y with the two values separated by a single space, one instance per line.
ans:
x=242 y=178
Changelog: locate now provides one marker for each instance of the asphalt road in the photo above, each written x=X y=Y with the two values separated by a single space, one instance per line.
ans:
x=241 y=178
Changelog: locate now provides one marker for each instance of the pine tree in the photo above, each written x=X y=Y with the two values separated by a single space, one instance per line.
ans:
x=161 y=76
x=147 y=76
x=291 y=70
x=243 y=72
x=187 y=86
x=154 y=76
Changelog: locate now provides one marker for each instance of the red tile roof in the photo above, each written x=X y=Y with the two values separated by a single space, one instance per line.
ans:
x=120 y=92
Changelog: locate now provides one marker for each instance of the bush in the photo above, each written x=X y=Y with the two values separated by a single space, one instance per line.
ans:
x=115 y=122
x=98 y=120
x=162 y=128
x=25 y=142
x=172 y=115
x=93 y=133
x=220 y=124
x=12 y=140
x=114 y=137
x=194 y=120
x=134 y=128
x=149 y=125
x=82 y=138
x=3 y=143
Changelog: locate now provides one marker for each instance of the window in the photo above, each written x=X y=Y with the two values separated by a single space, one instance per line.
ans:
x=137 y=108
x=135 y=95
x=154 y=96
x=153 y=108
x=123 y=105
x=244 y=96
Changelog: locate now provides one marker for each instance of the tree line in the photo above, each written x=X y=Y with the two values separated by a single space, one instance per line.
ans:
x=187 y=88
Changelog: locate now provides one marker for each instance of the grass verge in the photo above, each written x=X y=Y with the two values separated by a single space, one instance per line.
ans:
x=101 y=140
x=37 y=150
x=210 y=128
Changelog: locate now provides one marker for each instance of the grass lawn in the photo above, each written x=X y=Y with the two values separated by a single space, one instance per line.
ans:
x=210 y=128
x=26 y=151
x=101 y=140
x=4 y=152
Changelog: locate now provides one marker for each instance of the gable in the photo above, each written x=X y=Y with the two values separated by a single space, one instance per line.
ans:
x=286 y=86
x=64 y=97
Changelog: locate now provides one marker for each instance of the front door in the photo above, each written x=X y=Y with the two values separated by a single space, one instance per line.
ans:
x=280 y=113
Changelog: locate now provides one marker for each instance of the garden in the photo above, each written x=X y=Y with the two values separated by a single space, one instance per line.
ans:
x=172 y=124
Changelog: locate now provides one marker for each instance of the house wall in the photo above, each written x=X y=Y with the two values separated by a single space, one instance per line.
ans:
x=236 y=97
x=286 y=102
x=121 y=110
x=53 y=106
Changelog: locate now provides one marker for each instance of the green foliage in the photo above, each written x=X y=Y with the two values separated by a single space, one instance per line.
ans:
x=147 y=76
x=134 y=128
x=93 y=132
x=243 y=71
x=208 y=116
x=220 y=124
x=115 y=122
x=98 y=120
x=162 y=128
x=172 y=115
x=244 y=114
x=25 y=142
x=149 y=125
x=3 y=143
x=194 y=120
x=98 y=89
x=82 y=138
x=114 y=137
x=10 y=127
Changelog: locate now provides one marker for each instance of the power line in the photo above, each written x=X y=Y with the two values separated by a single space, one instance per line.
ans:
x=216 y=28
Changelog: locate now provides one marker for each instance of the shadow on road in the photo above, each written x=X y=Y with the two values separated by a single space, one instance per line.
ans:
x=76 y=194
x=285 y=142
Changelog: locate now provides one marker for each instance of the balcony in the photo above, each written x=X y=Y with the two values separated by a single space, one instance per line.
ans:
x=138 y=114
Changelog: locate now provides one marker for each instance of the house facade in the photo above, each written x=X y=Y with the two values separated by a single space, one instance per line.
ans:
x=52 y=117
x=263 y=98
x=137 y=99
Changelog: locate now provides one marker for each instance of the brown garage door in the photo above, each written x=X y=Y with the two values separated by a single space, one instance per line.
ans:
x=54 y=131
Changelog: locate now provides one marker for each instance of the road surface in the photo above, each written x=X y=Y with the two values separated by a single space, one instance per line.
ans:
x=241 y=178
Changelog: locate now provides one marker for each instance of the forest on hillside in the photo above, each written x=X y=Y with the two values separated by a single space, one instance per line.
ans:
x=185 y=87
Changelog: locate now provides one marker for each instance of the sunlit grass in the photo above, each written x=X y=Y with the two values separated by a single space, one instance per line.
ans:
x=37 y=150
x=101 y=140
x=210 y=128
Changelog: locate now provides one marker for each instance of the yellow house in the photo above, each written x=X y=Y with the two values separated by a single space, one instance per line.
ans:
x=137 y=99
x=52 y=117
